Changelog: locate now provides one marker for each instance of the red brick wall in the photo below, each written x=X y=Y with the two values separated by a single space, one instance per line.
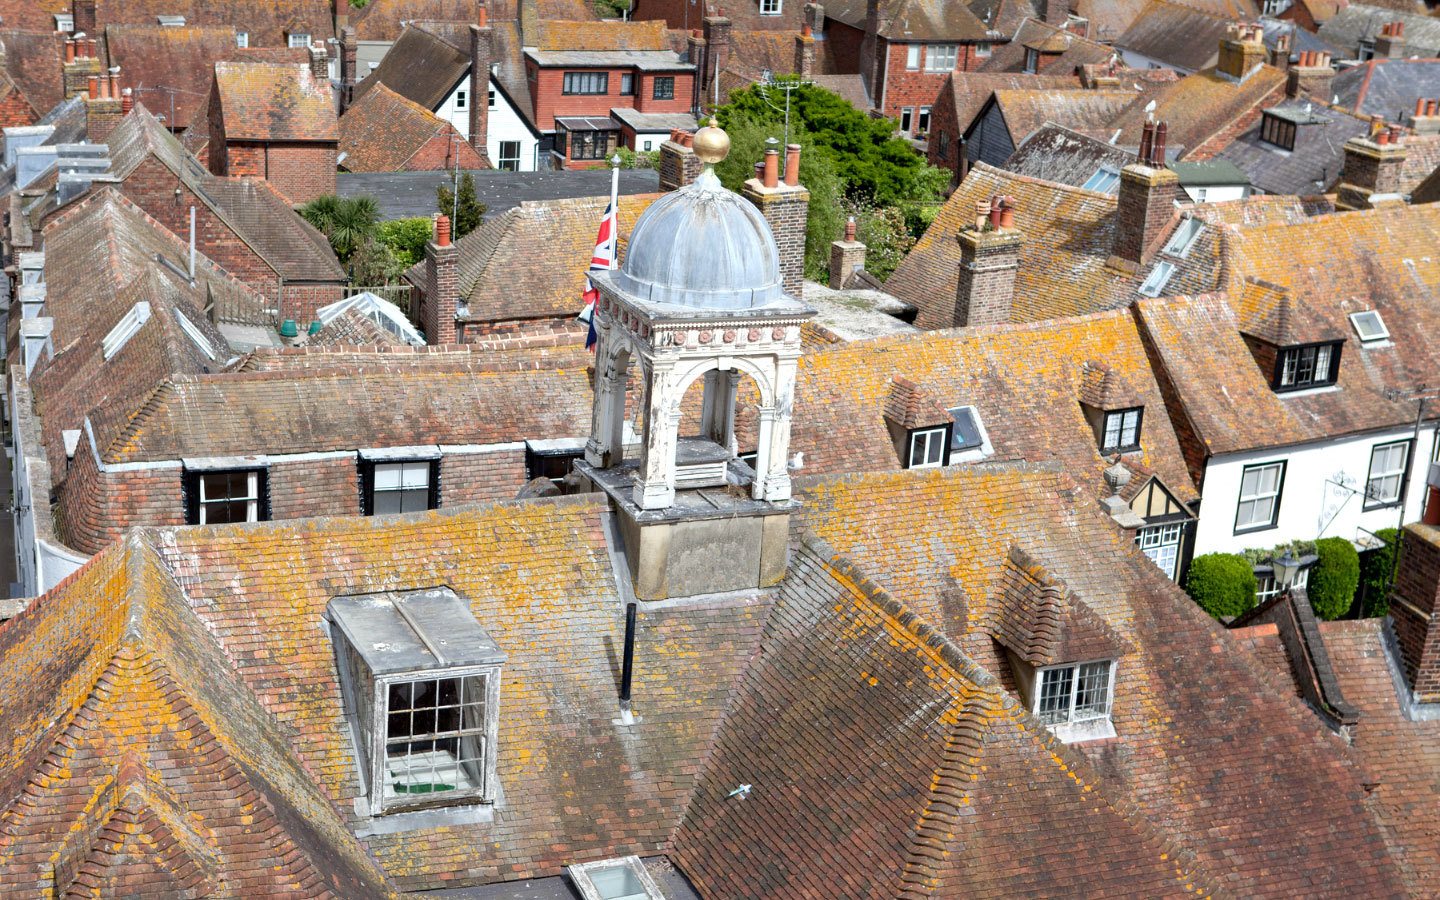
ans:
x=1417 y=582
x=96 y=508
x=16 y=112
x=548 y=94
x=942 y=121
x=745 y=14
x=481 y=477
x=301 y=171
x=314 y=487
x=916 y=88
x=435 y=154
x=515 y=334
x=842 y=43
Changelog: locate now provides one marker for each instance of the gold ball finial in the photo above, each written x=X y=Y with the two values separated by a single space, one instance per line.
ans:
x=711 y=143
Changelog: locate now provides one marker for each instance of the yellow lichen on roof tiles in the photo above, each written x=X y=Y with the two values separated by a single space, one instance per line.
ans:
x=602 y=36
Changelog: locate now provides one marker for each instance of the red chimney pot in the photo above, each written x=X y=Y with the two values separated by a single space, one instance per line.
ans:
x=772 y=169
x=127 y=100
x=792 y=164
x=1007 y=216
x=442 y=230
x=850 y=229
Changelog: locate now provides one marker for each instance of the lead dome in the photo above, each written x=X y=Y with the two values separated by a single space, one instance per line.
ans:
x=703 y=246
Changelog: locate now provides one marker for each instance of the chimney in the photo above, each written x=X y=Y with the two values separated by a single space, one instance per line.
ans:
x=1099 y=76
x=482 y=45
x=1310 y=76
x=342 y=14
x=1390 y=42
x=127 y=101
x=1055 y=12
x=679 y=165
x=989 y=261
x=815 y=17
x=785 y=204
x=81 y=64
x=82 y=12
x=847 y=257
x=695 y=55
x=1413 y=611
x=1241 y=51
x=320 y=63
x=349 y=49
x=1426 y=119
x=1372 y=169
x=442 y=286
x=103 y=108
x=805 y=52
x=1280 y=56
x=717 y=54
x=1148 y=191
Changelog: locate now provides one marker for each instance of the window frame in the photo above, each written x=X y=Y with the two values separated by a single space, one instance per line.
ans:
x=627 y=84
x=912 y=57
x=1333 y=376
x=298 y=40
x=366 y=467
x=1032 y=61
x=771 y=7
x=1276 y=497
x=1105 y=446
x=502 y=161
x=1384 y=333
x=1182 y=241
x=907 y=119
x=1277 y=132
x=576 y=83
x=947 y=52
x=984 y=49
x=1108 y=176
x=192 y=484
x=598 y=147
x=1162 y=531
x=922 y=120
x=583 y=877
x=1403 y=473
x=462 y=99
x=1155 y=283
x=1072 y=692
x=242 y=39
x=934 y=433
x=666 y=81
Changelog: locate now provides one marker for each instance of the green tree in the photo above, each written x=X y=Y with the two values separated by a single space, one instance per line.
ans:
x=468 y=212
x=1222 y=583
x=1334 y=578
x=825 y=221
x=1377 y=573
x=374 y=263
x=406 y=238
x=347 y=222
x=882 y=230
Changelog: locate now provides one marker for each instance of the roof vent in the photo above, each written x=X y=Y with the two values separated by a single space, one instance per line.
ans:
x=126 y=328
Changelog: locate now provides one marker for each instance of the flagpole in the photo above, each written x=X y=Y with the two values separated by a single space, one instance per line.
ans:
x=615 y=210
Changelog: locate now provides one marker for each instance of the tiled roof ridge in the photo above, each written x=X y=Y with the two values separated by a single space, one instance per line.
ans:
x=1014 y=177
x=143 y=411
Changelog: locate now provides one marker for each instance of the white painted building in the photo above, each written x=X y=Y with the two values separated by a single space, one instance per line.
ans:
x=512 y=144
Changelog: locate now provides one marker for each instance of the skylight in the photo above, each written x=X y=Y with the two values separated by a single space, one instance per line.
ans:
x=1105 y=180
x=1184 y=237
x=195 y=334
x=125 y=329
x=966 y=435
x=615 y=879
x=1159 y=277
x=1369 y=326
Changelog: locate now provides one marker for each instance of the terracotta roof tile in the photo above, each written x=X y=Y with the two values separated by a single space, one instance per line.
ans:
x=271 y=102
x=384 y=20
x=34 y=62
x=1176 y=35
x=422 y=66
x=602 y=36
x=1039 y=618
x=267 y=21
x=1200 y=107
x=382 y=131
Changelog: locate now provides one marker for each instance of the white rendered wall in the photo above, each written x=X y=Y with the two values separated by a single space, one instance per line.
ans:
x=1312 y=505
x=505 y=124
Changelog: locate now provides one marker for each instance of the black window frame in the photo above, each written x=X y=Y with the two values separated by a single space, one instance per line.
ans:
x=1274 y=522
x=1277 y=132
x=365 y=472
x=536 y=463
x=1332 y=378
x=669 y=93
x=1409 y=444
x=584 y=77
x=1139 y=412
x=599 y=148
x=190 y=491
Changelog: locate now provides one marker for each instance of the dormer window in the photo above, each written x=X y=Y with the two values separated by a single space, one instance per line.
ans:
x=298 y=39
x=1032 y=61
x=1277 y=131
x=927 y=448
x=170 y=21
x=395 y=486
x=242 y=39
x=1106 y=180
x=1314 y=365
x=770 y=7
x=1184 y=237
x=1122 y=430
x=125 y=329
x=421 y=684
x=202 y=343
x=64 y=22
x=1074 y=695
x=1369 y=326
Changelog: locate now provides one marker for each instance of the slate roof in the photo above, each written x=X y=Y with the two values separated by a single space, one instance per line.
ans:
x=160 y=64
x=1176 y=35
x=1069 y=235
x=948 y=569
x=272 y=102
x=382 y=131
x=1201 y=106
x=315 y=411
x=1055 y=153
x=1359 y=22
x=1026 y=383
x=1350 y=262
x=1387 y=87
x=503 y=278
x=33 y=61
x=1313 y=166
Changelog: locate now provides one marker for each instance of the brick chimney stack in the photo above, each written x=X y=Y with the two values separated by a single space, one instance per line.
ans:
x=989 y=262
x=349 y=52
x=103 y=107
x=320 y=63
x=1148 y=191
x=81 y=64
x=1311 y=76
x=1055 y=12
x=847 y=257
x=442 y=286
x=1390 y=42
x=1413 y=611
x=785 y=204
x=1241 y=51
x=1372 y=168
x=1426 y=118
x=872 y=60
x=679 y=165
x=805 y=51
x=482 y=54
x=1280 y=56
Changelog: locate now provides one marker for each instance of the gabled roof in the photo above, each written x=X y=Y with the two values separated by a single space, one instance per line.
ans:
x=969 y=92
x=384 y=20
x=1069 y=236
x=1313 y=166
x=1176 y=35
x=1359 y=22
x=162 y=65
x=1041 y=620
x=1057 y=154
x=1086 y=111
x=1386 y=87
x=1034 y=33
x=34 y=62
x=272 y=102
x=1201 y=106
x=926 y=20
x=267 y=21
x=422 y=66
x=1108 y=18
x=382 y=131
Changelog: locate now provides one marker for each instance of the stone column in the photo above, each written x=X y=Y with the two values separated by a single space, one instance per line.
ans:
x=717 y=417
x=606 y=447
x=772 y=479
x=655 y=482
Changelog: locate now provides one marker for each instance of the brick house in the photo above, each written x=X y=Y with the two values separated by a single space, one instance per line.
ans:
x=384 y=132
x=263 y=23
x=275 y=122
x=240 y=223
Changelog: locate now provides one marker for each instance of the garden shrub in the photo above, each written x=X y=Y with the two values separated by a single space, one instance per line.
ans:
x=1222 y=583
x=1334 y=578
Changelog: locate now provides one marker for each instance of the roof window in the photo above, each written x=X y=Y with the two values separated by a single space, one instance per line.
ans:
x=64 y=22
x=968 y=440
x=125 y=329
x=1106 y=180
x=1277 y=131
x=195 y=334
x=1159 y=277
x=171 y=21
x=615 y=879
x=1369 y=326
x=1184 y=237
x=421 y=682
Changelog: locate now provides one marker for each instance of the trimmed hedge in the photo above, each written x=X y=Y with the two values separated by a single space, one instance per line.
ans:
x=1377 y=571
x=1335 y=577
x=1222 y=583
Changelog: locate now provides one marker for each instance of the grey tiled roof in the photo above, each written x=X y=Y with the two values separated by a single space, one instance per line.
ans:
x=1314 y=164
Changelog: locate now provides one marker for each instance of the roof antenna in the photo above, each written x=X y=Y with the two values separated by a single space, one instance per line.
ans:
x=627 y=665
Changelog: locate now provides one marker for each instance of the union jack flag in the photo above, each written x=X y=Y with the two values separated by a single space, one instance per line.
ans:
x=602 y=258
